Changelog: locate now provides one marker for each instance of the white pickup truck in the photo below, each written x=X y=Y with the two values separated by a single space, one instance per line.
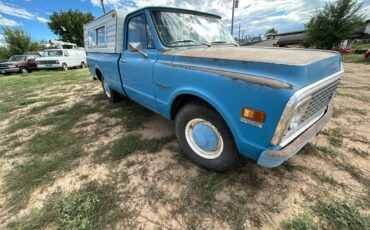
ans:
x=64 y=57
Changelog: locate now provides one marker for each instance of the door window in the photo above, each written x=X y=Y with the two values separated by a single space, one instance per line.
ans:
x=138 y=32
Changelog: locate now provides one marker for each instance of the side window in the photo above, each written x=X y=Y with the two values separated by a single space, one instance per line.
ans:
x=138 y=32
x=92 y=38
x=100 y=35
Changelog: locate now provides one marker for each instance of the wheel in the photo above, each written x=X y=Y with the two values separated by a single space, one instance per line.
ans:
x=112 y=95
x=23 y=70
x=83 y=65
x=205 y=137
x=64 y=67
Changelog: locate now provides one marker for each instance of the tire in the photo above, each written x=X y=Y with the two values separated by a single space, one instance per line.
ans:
x=112 y=95
x=23 y=70
x=64 y=67
x=198 y=118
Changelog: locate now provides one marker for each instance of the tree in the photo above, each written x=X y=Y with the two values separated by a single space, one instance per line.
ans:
x=68 y=25
x=330 y=26
x=272 y=31
x=17 y=41
x=4 y=53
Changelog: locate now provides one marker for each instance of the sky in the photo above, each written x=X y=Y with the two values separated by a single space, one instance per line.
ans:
x=254 y=16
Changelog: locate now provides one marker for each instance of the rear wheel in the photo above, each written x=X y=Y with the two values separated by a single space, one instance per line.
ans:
x=112 y=95
x=205 y=138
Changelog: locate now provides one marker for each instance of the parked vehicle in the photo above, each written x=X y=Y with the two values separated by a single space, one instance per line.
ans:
x=62 y=58
x=226 y=100
x=343 y=50
x=24 y=63
x=366 y=54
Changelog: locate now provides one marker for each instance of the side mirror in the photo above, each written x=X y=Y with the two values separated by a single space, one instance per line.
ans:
x=136 y=47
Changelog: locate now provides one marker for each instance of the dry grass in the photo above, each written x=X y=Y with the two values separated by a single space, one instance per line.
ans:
x=70 y=158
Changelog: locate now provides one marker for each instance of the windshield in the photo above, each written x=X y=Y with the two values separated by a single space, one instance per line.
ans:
x=52 y=53
x=17 y=58
x=182 y=28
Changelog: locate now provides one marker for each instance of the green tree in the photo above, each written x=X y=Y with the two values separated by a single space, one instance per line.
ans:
x=272 y=31
x=68 y=25
x=17 y=40
x=331 y=25
x=4 y=53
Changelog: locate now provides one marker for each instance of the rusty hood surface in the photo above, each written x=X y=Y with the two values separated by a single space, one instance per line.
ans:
x=286 y=56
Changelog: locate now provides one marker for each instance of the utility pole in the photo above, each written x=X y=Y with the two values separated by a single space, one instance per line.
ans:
x=239 y=32
x=235 y=5
x=102 y=5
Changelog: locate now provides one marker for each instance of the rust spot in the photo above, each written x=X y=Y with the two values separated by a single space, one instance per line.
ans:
x=268 y=82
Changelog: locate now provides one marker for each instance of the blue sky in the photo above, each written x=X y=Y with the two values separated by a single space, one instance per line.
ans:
x=254 y=16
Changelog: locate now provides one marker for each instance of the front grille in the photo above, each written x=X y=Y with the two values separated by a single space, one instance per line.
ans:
x=47 y=62
x=319 y=100
x=4 y=66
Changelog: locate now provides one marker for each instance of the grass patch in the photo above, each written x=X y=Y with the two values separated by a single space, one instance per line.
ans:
x=131 y=143
x=303 y=221
x=321 y=177
x=53 y=102
x=355 y=58
x=93 y=207
x=359 y=152
x=22 y=124
x=342 y=216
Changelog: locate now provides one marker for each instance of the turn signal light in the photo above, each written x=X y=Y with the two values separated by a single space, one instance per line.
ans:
x=253 y=115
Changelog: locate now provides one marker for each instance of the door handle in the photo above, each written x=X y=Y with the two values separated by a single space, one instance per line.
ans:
x=123 y=61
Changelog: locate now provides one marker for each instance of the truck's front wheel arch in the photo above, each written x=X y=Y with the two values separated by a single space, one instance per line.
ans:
x=98 y=74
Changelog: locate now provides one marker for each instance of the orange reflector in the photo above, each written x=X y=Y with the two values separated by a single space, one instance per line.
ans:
x=254 y=115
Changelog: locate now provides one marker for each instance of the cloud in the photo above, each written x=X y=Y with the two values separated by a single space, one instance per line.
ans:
x=19 y=13
x=14 y=11
x=41 y=19
x=8 y=22
x=254 y=16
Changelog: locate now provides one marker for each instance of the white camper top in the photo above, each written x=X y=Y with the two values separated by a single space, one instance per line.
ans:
x=105 y=34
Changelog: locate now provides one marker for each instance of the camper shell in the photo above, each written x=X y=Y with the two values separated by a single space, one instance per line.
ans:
x=105 y=34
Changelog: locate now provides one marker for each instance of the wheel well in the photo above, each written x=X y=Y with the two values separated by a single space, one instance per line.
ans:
x=184 y=99
x=98 y=74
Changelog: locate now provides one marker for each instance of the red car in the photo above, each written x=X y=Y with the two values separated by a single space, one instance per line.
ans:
x=343 y=50
x=367 y=54
x=19 y=64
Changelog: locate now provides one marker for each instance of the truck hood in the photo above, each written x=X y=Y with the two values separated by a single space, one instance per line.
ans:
x=298 y=67
x=10 y=63
x=48 y=58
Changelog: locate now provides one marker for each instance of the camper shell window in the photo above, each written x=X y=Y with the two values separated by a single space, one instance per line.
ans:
x=97 y=37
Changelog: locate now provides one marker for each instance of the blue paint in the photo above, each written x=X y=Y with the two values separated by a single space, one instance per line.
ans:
x=205 y=137
x=141 y=79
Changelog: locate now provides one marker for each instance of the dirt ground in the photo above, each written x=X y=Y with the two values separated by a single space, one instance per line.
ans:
x=54 y=150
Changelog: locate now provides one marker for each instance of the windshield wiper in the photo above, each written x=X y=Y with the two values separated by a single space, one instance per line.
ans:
x=190 y=40
x=223 y=42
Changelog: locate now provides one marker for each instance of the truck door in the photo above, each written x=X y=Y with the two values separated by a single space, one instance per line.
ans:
x=137 y=67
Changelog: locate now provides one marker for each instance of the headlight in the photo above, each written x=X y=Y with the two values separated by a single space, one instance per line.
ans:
x=299 y=113
x=57 y=62
x=12 y=66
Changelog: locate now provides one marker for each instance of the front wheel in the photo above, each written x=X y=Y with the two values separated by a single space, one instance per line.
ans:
x=64 y=67
x=112 y=95
x=205 y=138
x=23 y=70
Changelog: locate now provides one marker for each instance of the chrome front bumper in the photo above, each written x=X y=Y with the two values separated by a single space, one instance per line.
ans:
x=274 y=158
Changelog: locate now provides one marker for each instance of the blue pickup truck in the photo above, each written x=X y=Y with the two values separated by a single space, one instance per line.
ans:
x=227 y=101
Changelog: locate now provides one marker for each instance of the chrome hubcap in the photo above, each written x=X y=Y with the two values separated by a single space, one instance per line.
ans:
x=204 y=138
x=106 y=88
